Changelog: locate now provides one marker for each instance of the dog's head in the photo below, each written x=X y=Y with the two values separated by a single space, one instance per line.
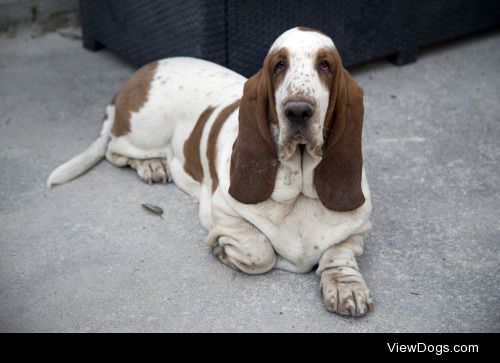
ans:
x=302 y=100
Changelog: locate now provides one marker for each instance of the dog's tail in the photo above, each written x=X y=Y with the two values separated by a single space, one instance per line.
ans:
x=87 y=159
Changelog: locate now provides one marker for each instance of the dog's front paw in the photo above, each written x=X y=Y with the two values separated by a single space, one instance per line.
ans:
x=344 y=293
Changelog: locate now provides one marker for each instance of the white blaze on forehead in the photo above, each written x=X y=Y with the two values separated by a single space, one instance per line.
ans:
x=297 y=39
x=302 y=77
x=302 y=48
x=301 y=82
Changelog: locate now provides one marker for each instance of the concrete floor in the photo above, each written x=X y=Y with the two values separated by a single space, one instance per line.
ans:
x=85 y=257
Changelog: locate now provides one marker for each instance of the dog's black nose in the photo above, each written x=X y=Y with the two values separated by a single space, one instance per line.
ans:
x=298 y=112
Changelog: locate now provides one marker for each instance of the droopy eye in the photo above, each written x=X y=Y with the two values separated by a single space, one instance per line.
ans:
x=280 y=67
x=324 y=67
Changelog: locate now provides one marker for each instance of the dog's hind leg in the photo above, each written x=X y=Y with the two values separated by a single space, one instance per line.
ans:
x=153 y=170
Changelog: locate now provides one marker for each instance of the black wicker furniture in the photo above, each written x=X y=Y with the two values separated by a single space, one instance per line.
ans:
x=237 y=33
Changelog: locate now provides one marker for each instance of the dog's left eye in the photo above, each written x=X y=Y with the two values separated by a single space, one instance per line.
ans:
x=324 y=67
x=279 y=67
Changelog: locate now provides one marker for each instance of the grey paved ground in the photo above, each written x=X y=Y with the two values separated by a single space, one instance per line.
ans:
x=85 y=257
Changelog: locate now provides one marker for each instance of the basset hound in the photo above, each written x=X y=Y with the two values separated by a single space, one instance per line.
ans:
x=274 y=161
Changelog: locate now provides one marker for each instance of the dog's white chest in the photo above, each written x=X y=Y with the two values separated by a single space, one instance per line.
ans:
x=301 y=230
x=303 y=233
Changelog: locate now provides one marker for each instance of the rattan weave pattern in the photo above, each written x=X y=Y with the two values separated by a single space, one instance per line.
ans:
x=238 y=33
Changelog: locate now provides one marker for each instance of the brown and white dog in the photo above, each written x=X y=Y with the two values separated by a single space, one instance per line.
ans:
x=275 y=161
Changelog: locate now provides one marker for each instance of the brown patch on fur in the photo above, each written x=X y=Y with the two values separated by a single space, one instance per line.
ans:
x=337 y=177
x=331 y=56
x=131 y=97
x=308 y=29
x=254 y=162
x=212 y=140
x=192 y=163
x=113 y=100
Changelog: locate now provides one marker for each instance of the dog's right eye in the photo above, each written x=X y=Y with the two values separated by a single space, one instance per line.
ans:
x=280 y=67
x=324 y=67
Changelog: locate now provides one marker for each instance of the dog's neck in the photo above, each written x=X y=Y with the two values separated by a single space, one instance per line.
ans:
x=295 y=176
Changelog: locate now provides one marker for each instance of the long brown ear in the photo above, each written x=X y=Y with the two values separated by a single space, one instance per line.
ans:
x=338 y=176
x=253 y=162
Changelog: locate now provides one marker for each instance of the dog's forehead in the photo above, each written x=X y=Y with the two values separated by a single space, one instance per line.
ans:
x=302 y=41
